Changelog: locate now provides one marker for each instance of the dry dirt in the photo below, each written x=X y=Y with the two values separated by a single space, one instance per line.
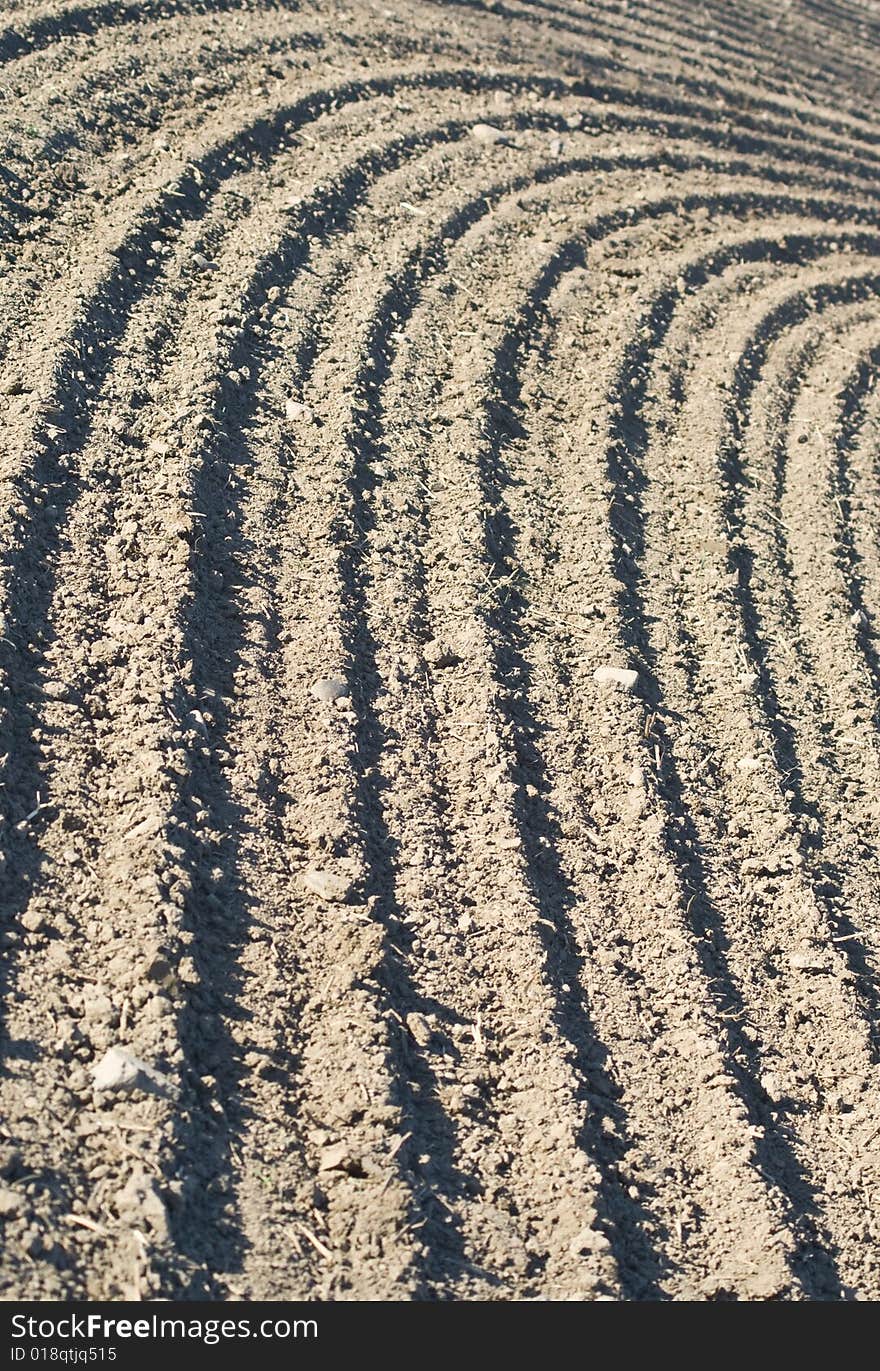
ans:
x=447 y=351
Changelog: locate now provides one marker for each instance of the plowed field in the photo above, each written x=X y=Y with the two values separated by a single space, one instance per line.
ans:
x=371 y=376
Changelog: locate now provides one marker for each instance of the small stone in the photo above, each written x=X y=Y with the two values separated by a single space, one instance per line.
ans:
x=637 y=777
x=298 y=412
x=748 y=764
x=119 y=1070
x=616 y=675
x=589 y=1241
x=338 y=1157
x=56 y=690
x=419 y=1028
x=330 y=688
x=488 y=133
x=33 y=921
x=200 y=261
x=11 y=1203
x=332 y=886
x=556 y=147
x=187 y=971
x=806 y=961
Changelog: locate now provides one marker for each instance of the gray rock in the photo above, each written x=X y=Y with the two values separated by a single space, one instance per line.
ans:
x=11 y=1203
x=57 y=690
x=488 y=133
x=330 y=688
x=333 y=886
x=616 y=675
x=119 y=1070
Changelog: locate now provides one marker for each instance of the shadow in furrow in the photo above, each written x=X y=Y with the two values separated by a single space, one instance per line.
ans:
x=795 y=250
x=624 y=1219
x=828 y=875
x=852 y=404
x=83 y=21
x=429 y=1154
x=730 y=98
x=798 y=309
x=412 y=1081
x=367 y=446
x=813 y=1262
x=90 y=353
x=45 y=497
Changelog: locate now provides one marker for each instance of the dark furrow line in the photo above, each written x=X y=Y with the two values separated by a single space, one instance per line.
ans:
x=708 y=53
x=741 y=560
x=97 y=337
x=505 y=618
x=117 y=298
x=268 y=130
x=797 y=250
x=627 y=448
x=730 y=95
x=431 y=1131
x=90 y=20
x=852 y=406
x=367 y=445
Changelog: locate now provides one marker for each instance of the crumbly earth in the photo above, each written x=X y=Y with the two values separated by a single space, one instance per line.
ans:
x=446 y=352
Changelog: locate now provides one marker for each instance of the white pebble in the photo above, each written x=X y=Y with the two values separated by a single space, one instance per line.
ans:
x=616 y=675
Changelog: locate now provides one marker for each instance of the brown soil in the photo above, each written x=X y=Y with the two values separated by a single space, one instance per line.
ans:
x=485 y=979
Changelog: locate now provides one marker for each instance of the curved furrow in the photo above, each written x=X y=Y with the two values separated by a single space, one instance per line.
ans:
x=212 y=164
x=851 y=482
x=762 y=861
x=215 y=948
x=78 y=20
x=775 y=1143
x=371 y=381
x=137 y=256
x=88 y=518
x=698 y=88
x=745 y=144
x=713 y=52
x=483 y=1035
x=359 y=524
x=805 y=606
x=560 y=899
x=621 y=219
